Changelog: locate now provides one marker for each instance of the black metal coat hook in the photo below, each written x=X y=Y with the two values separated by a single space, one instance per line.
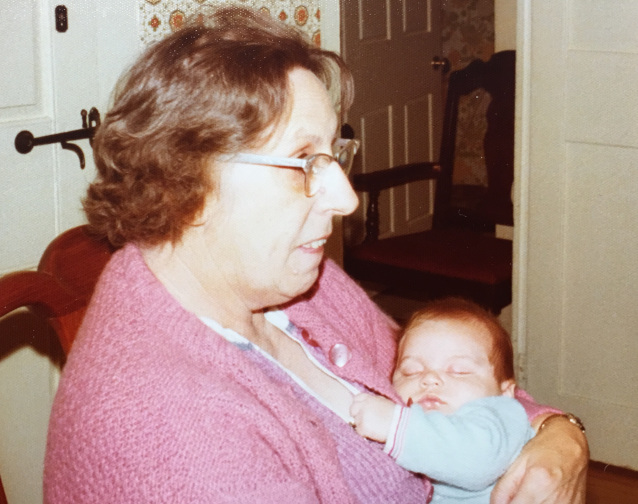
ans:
x=25 y=141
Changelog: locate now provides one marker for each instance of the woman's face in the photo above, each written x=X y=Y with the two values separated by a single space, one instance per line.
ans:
x=264 y=233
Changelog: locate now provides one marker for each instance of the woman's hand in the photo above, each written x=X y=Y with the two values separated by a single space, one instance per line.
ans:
x=551 y=468
x=372 y=416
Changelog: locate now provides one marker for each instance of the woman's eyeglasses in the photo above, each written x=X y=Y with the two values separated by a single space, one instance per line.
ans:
x=314 y=167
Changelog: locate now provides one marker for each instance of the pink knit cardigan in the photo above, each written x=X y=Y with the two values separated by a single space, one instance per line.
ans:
x=153 y=406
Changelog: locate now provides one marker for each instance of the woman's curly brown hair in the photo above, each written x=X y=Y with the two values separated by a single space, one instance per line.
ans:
x=211 y=89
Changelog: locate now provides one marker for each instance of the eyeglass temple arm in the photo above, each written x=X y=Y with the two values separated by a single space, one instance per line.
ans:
x=270 y=160
x=340 y=143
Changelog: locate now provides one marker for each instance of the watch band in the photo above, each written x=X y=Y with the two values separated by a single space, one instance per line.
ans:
x=573 y=419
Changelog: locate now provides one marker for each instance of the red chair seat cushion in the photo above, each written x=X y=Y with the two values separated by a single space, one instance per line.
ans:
x=447 y=252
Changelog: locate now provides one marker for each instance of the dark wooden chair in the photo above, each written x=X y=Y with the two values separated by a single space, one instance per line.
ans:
x=60 y=289
x=460 y=254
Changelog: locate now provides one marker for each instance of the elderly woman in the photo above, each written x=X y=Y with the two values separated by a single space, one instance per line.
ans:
x=220 y=354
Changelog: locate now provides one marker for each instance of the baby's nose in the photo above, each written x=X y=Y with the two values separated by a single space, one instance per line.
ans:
x=431 y=378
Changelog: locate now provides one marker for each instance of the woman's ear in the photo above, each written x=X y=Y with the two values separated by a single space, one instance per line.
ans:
x=508 y=388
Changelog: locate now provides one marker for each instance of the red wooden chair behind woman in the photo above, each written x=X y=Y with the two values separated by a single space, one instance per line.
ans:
x=60 y=289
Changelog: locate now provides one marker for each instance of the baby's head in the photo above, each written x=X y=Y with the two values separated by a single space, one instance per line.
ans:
x=451 y=352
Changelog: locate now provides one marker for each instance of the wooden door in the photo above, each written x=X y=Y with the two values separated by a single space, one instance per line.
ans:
x=576 y=237
x=47 y=78
x=397 y=111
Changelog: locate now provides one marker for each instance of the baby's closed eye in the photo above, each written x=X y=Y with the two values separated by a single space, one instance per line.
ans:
x=410 y=368
x=459 y=372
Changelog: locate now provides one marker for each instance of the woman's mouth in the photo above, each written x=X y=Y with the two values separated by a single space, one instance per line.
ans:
x=316 y=244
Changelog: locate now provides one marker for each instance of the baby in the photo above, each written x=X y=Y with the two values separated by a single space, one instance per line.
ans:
x=462 y=426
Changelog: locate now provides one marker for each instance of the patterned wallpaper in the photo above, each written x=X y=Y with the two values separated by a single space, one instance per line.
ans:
x=467 y=30
x=160 y=17
x=468 y=34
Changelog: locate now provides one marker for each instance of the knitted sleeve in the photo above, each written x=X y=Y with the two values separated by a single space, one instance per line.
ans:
x=469 y=449
x=532 y=408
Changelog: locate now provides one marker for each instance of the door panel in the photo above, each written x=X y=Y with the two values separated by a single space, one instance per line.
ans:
x=27 y=208
x=576 y=235
x=20 y=54
x=599 y=200
x=25 y=203
x=398 y=108
x=593 y=108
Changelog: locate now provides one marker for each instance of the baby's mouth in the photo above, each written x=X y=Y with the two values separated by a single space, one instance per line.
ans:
x=431 y=402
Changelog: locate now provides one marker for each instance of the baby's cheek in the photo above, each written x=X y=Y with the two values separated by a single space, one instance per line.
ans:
x=405 y=388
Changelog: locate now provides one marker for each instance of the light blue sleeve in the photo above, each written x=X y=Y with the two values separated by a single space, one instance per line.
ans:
x=469 y=449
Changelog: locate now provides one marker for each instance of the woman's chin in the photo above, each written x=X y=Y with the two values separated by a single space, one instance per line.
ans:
x=300 y=281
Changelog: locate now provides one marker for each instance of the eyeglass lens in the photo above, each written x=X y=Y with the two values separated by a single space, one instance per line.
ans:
x=315 y=173
x=343 y=156
x=345 y=152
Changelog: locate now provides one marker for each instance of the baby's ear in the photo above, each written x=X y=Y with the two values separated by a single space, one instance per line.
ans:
x=508 y=387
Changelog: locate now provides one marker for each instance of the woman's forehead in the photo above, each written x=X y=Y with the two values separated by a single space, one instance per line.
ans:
x=310 y=118
x=311 y=106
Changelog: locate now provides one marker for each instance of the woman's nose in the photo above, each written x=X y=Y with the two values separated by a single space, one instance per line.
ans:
x=337 y=192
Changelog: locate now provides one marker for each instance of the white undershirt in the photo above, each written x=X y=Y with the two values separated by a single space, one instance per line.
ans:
x=280 y=320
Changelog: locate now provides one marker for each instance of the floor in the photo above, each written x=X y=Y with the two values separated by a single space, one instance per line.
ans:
x=611 y=485
x=605 y=484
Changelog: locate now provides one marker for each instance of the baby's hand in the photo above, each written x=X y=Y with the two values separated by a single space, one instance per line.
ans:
x=372 y=416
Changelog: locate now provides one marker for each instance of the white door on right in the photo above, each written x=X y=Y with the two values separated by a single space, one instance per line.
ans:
x=576 y=232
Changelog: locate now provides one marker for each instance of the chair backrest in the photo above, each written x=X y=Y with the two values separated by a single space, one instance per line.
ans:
x=493 y=204
x=60 y=290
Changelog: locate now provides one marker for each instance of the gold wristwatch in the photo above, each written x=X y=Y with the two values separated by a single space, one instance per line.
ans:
x=573 y=419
